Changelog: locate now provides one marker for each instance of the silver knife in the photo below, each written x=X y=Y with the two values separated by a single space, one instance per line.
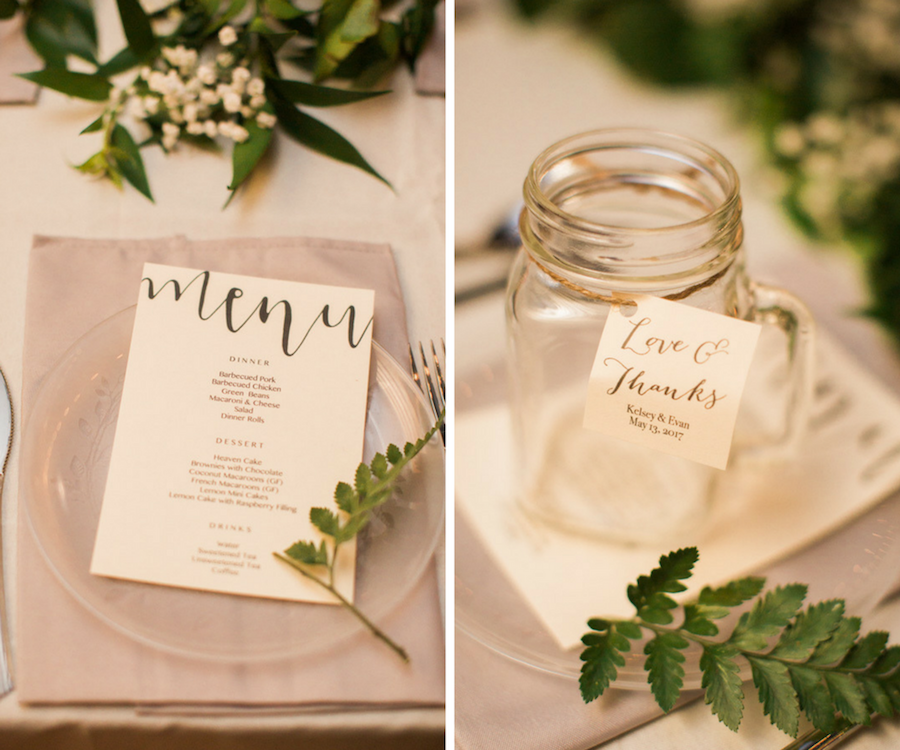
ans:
x=6 y=430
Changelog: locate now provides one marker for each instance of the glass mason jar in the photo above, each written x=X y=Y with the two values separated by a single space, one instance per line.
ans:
x=632 y=211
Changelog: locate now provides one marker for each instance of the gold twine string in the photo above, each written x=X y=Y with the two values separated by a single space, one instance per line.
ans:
x=619 y=299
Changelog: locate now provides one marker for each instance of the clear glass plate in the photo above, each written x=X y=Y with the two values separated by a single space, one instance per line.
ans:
x=65 y=460
x=859 y=563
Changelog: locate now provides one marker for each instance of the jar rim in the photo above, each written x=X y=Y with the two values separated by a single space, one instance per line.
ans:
x=645 y=139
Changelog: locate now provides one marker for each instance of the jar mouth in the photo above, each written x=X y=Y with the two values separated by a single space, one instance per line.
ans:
x=631 y=201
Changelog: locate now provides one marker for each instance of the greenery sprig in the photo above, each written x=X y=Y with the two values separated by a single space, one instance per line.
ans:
x=809 y=660
x=213 y=72
x=373 y=485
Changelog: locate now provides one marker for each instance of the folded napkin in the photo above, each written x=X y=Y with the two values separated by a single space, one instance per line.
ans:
x=16 y=57
x=67 y=655
x=430 y=67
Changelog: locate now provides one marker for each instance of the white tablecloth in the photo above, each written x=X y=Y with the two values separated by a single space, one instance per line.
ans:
x=298 y=193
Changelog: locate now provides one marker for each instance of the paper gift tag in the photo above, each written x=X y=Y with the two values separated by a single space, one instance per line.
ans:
x=244 y=404
x=670 y=377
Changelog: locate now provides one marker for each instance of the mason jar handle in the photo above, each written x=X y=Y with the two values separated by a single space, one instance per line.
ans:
x=773 y=306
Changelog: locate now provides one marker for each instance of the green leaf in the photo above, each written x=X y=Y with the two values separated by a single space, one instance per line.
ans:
x=245 y=156
x=732 y=594
x=848 y=698
x=698 y=619
x=394 y=454
x=95 y=126
x=647 y=594
x=57 y=28
x=866 y=650
x=95 y=165
x=345 y=498
x=722 y=683
x=363 y=480
x=767 y=617
x=417 y=25
x=8 y=8
x=776 y=693
x=343 y=24
x=307 y=553
x=664 y=671
x=887 y=662
x=876 y=697
x=137 y=28
x=809 y=629
x=813 y=695
x=123 y=60
x=325 y=521
x=630 y=630
x=283 y=10
x=379 y=465
x=838 y=645
x=602 y=657
x=318 y=136
x=313 y=95
x=80 y=85
x=132 y=165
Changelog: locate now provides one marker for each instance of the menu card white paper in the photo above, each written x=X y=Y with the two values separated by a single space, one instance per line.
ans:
x=243 y=406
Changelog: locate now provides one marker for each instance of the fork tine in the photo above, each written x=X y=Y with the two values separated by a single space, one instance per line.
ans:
x=434 y=393
x=440 y=375
x=429 y=381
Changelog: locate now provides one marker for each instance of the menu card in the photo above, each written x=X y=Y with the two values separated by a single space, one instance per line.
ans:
x=244 y=404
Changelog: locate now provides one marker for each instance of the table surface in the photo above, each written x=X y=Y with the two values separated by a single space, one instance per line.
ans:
x=297 y=193
x=520 y=88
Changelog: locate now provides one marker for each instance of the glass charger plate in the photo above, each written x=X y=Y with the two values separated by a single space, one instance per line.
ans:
x=65 y=460
x=860 y=563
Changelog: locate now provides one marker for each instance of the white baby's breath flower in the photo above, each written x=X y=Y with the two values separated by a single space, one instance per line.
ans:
x=825 y=128
x=227 y=36
x=145 y=72
x=195 y=128
x=171 y=133
x=190 y=112
x=151 y=104
x=171 y=101
x=225 y=59
x=239 y=134
x=176 y=115
x=157 y=82
x=257 y=102
x=210 y=97
x=240 y=74
x=789 y=141
x=136 y=108
x=206 y=74
x=210 y=128
x=247 y=111
x=266 y=119
x=232 y=102
x=256 y=87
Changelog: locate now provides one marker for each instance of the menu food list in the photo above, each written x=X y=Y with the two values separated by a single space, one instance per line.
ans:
x=243 y=406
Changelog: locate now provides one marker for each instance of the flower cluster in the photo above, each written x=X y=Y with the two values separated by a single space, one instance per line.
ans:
x=180 y=94
x=864 y=32
x=843 y=161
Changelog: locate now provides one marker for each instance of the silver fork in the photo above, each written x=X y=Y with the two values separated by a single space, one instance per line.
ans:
x=431 y=381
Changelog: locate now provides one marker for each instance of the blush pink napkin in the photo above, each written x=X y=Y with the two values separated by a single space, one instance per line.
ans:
x=67 y=655
x=16 y=57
